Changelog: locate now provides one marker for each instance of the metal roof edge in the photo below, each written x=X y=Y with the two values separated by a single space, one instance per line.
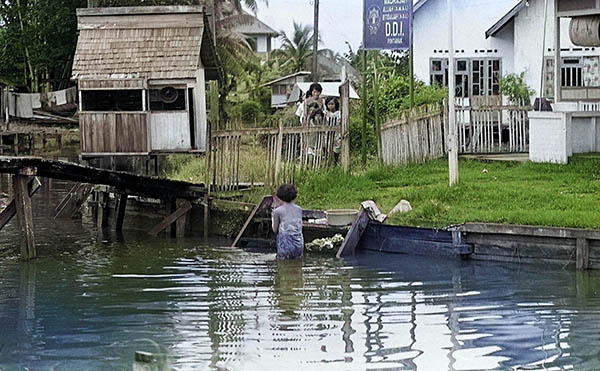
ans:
x=286 y=77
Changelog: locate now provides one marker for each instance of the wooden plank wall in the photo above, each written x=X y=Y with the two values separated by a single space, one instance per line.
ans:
x=170 y=131
x=114 y=132
x=416 y=136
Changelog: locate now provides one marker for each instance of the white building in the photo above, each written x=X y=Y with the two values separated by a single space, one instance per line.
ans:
x=499 y=37
x=258 y=34
x=283 y=87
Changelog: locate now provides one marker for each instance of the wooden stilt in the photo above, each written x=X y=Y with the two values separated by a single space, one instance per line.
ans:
x=11 y=210
x=206 y=214
x=120 y=211
x=181 y=222
x=102 y=220
x=65 y=201
x=59 y=143
x=167 y=221
x=25 y=216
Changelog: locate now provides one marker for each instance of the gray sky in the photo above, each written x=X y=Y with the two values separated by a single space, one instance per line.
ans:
x=340 y=20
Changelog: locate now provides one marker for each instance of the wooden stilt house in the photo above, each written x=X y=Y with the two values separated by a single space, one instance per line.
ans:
x=142 y=73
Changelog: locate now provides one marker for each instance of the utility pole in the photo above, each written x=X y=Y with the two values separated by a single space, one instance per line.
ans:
x=363 y=102
x=315 y=65
x=452 y=142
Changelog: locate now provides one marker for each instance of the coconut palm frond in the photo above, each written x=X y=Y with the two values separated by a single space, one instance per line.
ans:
x=297 y=51
x=235 y=20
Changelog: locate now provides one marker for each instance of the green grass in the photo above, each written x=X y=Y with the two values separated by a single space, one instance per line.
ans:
x=493 y=192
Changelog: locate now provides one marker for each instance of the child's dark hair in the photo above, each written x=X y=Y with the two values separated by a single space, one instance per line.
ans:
x=287 y=192
x=315 y=86
x=335 y=100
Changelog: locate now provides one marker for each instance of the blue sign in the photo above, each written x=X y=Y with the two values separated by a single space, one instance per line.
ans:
x=387 y=24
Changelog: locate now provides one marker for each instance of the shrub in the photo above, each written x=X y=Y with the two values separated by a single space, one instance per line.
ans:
x=514 y=87
x=250 y=111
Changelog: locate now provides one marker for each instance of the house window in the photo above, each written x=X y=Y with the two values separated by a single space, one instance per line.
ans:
x=111 y=100
x=167 y=99
x=439 y=72
x=279 y=89
x=474 y=77
x=571 y=72
x=575 y=72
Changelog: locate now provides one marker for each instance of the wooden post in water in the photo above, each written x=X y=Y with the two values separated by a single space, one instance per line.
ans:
x=181 y=222
x=120 y=211
x=206 y=214
x=59 y=142
x=24 y=214
x=102 y=220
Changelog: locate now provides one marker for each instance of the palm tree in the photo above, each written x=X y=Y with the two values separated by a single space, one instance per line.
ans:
x=297 y=51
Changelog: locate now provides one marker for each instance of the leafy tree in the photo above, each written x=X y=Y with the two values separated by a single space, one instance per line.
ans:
x=37 y=42
x=297 y=52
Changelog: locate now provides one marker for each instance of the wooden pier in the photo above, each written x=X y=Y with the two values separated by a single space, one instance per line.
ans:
x=176 y=194
x=19 y=143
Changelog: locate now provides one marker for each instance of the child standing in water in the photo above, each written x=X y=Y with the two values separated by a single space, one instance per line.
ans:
x=287 y=223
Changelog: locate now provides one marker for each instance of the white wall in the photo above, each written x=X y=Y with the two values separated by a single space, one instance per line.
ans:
x=529 y=26
x=471 y=19
x=549 y=137
x=584 y=131
x=261 y=43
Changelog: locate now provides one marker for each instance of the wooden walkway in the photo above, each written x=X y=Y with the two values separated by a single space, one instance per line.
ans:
x=127 y=183
x=25 y=170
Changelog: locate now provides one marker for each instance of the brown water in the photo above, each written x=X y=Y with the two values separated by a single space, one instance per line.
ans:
x=89 y=302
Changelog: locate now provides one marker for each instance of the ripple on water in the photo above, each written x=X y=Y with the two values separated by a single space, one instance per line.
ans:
x=89 y=304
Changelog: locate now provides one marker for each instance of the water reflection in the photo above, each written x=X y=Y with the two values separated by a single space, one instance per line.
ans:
x=289 y=286
x=91 y=303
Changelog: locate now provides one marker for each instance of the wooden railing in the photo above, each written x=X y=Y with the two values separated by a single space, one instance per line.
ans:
x=493 y=128
x=485 y=126
x=270 y=155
